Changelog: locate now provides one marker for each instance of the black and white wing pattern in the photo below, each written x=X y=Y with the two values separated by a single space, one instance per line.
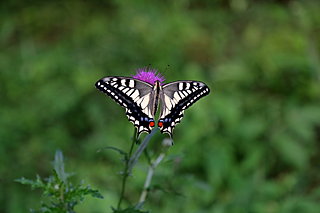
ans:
x=175 y=98
x=135 y=96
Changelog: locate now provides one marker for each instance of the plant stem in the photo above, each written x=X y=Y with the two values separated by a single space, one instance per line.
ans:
x=147 y=182
x=146 y=154
x=126 y=173
x=134 y=159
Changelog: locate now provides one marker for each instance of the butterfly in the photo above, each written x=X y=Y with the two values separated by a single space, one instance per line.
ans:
x=141 y=100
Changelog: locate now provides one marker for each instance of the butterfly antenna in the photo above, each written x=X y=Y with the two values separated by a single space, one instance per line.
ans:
x=148 y=67
x=166 y=69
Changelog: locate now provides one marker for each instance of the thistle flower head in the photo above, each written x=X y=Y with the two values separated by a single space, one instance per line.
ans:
x=148 y=75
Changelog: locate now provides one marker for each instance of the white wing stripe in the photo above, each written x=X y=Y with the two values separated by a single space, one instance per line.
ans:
x=145 y=102
x=167 y=102
x=130 y=92
x=175 y=101
x=131 y=83
x=125 y=90
x=180 y=86
x=176 y=96
x=181 y=94
x=138 y=101
x=134 y=95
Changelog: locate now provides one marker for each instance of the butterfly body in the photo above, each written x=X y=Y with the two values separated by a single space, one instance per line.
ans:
x=141 y=100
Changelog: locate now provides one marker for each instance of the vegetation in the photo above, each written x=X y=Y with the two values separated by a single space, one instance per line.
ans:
x=252 y=145
x=62 y=194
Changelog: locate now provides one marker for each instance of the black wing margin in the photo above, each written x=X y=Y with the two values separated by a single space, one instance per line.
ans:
x=130 y=94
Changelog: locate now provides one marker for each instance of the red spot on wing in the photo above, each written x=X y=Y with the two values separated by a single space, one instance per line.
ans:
x=151 y=124
x=160 y=124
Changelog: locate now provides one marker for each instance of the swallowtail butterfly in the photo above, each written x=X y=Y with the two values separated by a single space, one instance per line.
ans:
x=141 y=99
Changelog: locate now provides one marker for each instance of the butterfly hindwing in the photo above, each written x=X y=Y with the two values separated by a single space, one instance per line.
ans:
x=134 y=95
x=177 y=97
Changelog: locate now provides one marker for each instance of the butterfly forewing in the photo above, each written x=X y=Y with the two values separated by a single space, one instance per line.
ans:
x=135 y=96
x=177 y=97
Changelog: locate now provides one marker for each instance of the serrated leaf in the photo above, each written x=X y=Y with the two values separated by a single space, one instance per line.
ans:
x=34 y=183
x=25 y=181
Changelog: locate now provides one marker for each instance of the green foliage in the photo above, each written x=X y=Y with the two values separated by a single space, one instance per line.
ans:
x=61 y=195
x=128 y=210
x=252 y=145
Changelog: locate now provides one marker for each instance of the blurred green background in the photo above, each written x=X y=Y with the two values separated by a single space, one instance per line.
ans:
x=252 y=145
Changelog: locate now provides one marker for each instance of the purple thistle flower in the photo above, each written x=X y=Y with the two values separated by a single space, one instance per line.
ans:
x=148 y=75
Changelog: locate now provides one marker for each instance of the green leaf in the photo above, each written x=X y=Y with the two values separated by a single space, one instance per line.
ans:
x=38 y=183
x=120 y=151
